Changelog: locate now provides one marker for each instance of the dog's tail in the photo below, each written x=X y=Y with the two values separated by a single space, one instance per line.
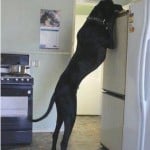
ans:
x=47 y=112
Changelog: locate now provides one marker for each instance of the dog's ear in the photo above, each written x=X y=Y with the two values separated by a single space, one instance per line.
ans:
x=106 y=8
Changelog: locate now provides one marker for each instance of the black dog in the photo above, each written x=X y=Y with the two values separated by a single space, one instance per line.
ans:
x=94 y=38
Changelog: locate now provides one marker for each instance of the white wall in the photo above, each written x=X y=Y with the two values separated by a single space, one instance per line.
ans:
x=21 y=24
x=90 y=94
x=20 y=34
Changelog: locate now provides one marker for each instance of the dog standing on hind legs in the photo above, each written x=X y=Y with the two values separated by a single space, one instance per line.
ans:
x=93 y=39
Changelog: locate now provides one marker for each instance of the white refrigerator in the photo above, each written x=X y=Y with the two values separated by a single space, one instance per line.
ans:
x=125 y=123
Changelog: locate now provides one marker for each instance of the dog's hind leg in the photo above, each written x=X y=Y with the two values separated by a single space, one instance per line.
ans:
x=68 y=123
x=68 y=115
x=57 y=128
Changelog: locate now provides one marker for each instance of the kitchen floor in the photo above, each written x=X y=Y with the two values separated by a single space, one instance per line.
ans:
x=85 y=136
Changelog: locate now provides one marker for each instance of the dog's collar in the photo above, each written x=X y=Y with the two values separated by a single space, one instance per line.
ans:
x=99 y=21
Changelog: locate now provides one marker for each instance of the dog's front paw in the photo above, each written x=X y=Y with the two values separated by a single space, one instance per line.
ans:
x=118 y=8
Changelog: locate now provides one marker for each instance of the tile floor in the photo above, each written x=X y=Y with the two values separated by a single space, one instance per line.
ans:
x=85 y=136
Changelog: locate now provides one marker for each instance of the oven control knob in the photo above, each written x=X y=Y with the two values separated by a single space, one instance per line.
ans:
x=28 y=80
x=22 y=79
x=7 y=79
x=2 y=79
x=16 y=79
x=29 y=92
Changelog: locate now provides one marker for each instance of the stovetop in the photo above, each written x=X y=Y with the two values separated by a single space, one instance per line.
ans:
x=12 y=75
x=9 y=78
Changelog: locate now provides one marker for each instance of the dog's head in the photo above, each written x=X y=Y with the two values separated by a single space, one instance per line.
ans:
x=107 y=9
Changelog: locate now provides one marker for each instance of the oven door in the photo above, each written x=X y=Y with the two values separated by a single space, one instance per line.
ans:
x=16 y=107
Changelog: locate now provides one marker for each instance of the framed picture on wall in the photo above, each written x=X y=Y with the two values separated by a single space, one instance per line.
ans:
x=49 y=29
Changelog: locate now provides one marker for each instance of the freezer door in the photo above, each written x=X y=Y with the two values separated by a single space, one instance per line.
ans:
x=115 y=63
x=112 y=122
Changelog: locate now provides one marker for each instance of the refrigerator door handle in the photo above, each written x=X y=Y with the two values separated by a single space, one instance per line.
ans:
x=147 y=73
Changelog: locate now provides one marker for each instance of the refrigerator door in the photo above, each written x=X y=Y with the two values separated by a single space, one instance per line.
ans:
x=144 y=83
x=136 y=132
x=115 y=63
x=112 y=122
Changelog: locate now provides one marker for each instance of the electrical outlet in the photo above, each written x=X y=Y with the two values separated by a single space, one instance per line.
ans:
x=35 y=63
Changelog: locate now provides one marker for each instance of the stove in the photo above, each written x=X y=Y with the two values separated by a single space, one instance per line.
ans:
x=16 y=101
